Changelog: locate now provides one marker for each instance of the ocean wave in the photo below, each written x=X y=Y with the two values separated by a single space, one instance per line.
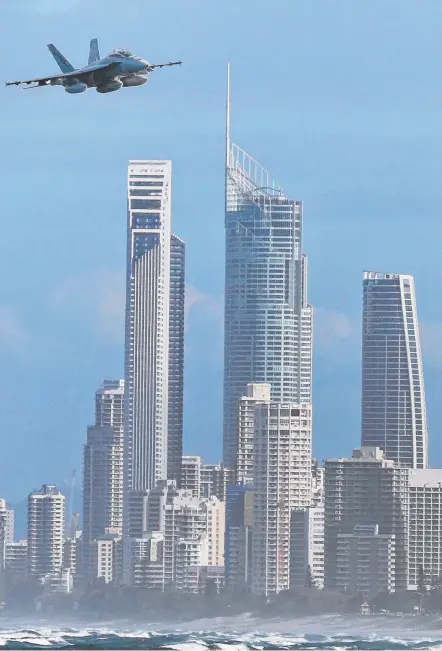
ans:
x=213 y=640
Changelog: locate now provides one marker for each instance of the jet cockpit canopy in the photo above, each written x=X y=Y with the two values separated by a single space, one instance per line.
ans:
x=121 y=53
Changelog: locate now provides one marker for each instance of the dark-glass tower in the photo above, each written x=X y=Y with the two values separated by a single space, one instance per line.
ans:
x=176 y=359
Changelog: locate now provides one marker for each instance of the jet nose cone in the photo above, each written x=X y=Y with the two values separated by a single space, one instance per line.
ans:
x=144 y=63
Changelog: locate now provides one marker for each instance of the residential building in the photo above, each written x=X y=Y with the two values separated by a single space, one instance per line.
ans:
x=282 y=483
x=103 y=466
x=425 y=546
x=46 y=520
x=239 y=523
x=154 y=330
x=16 y=561
x=190 y=556
x=393 y=396
x=365 y=562
x=318 y=473
x=205 y=480
x=147 y=561
x=191 y=474
x=180 y=529
x=214 y=480
x=268 y=321
x=71 y=552
x=256 y=394
x=366 y=489
x=307 y=548
x=215 y=511
x=107 y=557
x=109 y=405
x=176 y=359
x=6 y=532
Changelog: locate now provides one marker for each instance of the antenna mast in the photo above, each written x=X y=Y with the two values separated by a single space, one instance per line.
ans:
x=228 y=117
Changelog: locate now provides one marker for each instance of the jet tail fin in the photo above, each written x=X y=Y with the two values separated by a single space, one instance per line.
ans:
x=62 y=62
x=94 y=52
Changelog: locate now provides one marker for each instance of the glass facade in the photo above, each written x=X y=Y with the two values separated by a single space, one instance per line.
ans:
x=393 y=396
x=268 y=323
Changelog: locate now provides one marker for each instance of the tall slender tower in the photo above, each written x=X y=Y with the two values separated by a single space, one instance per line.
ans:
x=268 y=322
x=147 y=323
x=176 y=359
x=393 y=396
x=154 y=347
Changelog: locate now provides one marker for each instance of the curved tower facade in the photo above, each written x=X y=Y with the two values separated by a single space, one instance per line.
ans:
x=268 y=323
x=393 y=396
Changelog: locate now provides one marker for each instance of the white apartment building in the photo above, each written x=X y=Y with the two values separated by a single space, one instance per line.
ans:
x=147 y=561
x=256 y=394
x=190 y=557
x=46 y=521
x=16 y=561
x=365 y=562
x=425 y=546
x=107 y=557
x=205 y=480
x=307 y=547
x=282 y=483
x=183 y=533
x=147 y=322
x=191 y=474
x=6 y=531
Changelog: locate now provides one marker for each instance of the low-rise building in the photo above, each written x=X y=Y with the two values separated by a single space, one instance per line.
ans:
x=365 y=563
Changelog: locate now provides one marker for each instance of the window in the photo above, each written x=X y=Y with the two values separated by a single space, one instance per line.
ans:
x=149 y=204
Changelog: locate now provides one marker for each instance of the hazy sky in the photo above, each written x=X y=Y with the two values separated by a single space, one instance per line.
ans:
x=340 y=99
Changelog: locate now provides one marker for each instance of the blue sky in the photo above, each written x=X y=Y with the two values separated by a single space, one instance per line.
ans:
x=341 y=100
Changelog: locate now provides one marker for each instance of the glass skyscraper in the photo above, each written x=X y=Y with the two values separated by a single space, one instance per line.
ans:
x=268 y=322
x=393 y=396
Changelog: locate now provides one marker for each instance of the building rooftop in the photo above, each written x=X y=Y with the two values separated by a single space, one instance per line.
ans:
x=429 y=478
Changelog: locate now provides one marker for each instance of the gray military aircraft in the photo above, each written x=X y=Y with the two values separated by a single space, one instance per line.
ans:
x=118 y=69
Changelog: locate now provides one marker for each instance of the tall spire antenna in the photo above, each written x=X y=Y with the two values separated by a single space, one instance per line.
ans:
x=228 y=117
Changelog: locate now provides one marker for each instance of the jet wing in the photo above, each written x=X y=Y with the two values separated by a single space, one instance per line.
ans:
x=81 y=75
x=163 y=65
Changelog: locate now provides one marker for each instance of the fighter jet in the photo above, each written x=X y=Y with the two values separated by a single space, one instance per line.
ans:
x=118 y=69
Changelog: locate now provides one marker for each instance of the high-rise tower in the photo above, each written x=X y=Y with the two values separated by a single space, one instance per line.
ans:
x=393 y=397
x=147 y=323
x=154 y=349
x=103 y=465
x=176 y=359
x=268 y=322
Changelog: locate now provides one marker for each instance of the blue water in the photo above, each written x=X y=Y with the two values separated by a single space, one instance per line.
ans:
x=238 y=634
